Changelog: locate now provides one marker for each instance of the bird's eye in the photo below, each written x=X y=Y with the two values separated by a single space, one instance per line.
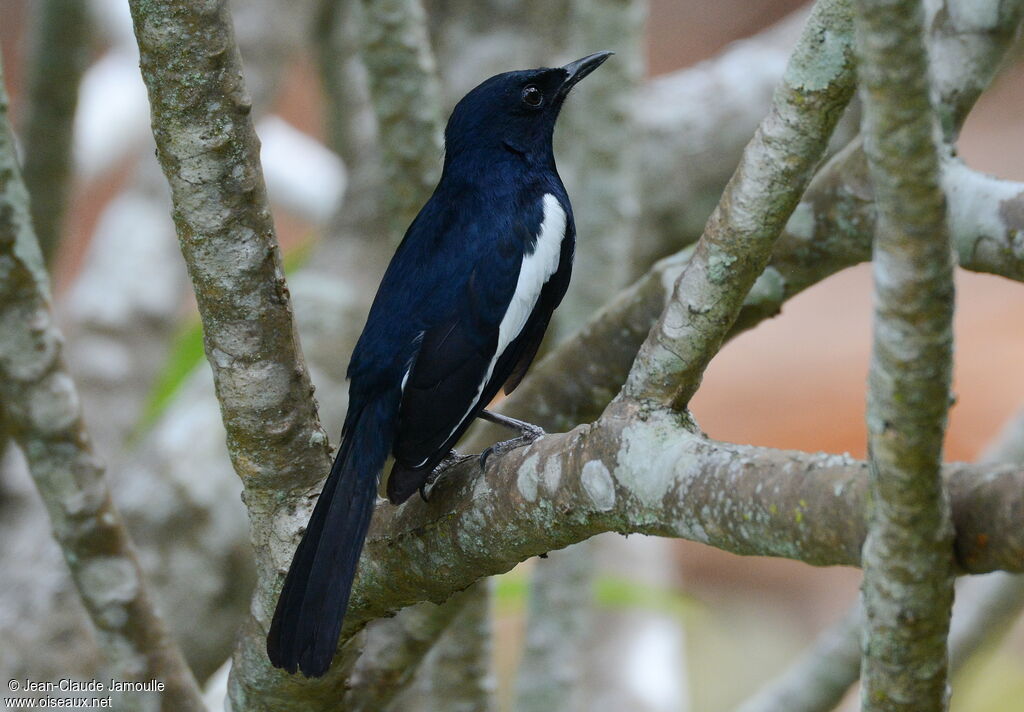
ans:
x=532 y=96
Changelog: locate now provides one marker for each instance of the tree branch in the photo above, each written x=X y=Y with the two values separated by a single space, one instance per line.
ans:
x=406 y=96
x=984 y=607
x=738 y=240
x=639 y=471
x=45 y=419
x=395 y=649
x=456 y=675
x=817 y=681
x=60 y=53
x=208 y=152
x=908 y=563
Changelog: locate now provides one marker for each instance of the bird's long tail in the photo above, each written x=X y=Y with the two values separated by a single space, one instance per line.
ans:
x=307 y=622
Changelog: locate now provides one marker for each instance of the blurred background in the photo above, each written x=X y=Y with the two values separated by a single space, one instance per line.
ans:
x=796 y=381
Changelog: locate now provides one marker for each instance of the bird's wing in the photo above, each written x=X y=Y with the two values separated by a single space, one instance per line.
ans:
x=550 y=297
x=465 y=357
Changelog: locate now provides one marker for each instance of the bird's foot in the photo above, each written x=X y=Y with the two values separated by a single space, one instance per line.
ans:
x=521 y=426
x=528 y=433
x=450 y=460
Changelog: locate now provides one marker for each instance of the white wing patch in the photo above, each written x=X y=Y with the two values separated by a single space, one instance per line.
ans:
x=536 y=269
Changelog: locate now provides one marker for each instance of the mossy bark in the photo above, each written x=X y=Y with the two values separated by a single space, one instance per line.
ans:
x=44 y=417
x=908 y=554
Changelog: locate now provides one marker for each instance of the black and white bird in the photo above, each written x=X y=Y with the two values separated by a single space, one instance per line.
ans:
x=459 y=315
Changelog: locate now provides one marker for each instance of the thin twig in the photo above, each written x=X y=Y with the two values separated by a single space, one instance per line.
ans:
x=45 y=419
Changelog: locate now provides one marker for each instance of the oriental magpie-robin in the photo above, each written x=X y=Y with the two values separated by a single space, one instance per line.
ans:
x=459 y=315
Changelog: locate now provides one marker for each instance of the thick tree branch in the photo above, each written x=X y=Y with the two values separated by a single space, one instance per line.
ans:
x=737 y=242
x=908 y=562
x=208 y=152
x=44 y=416
x=639 y=471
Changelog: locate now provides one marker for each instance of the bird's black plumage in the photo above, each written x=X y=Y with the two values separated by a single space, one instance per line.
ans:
x=459 y=313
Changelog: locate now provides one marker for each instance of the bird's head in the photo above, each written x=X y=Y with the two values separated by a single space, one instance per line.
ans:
x=515 y=111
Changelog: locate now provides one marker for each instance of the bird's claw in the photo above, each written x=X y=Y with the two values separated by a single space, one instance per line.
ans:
x=529 y=435
x=450 y=460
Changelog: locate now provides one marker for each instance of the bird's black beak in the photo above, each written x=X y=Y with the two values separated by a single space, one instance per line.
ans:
x=580 y=68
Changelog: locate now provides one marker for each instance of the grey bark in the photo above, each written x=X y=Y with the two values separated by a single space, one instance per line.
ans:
x=657 y=477
x=456 y=675
x=406 y=96
x=43 y=409
x=739 y=238
x=984 y=609
x=908 y=559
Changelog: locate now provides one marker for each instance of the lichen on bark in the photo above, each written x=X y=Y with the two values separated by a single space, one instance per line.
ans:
x=908 y=554
x=44 y=414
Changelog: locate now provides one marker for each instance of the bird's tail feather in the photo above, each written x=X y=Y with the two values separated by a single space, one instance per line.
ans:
x=307 y=622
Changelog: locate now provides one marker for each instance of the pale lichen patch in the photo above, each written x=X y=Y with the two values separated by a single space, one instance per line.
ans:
x=817 y=67
x=649 y=457
x=53 y=406
x=527 y=477
x=109 y=580
x=552 y=475
x=598 y=484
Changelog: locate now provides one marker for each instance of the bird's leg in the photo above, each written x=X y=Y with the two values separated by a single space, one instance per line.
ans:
x=450 y=460
x=527 y=434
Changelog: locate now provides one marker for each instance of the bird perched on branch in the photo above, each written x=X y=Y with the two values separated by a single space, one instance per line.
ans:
x=460 y=314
